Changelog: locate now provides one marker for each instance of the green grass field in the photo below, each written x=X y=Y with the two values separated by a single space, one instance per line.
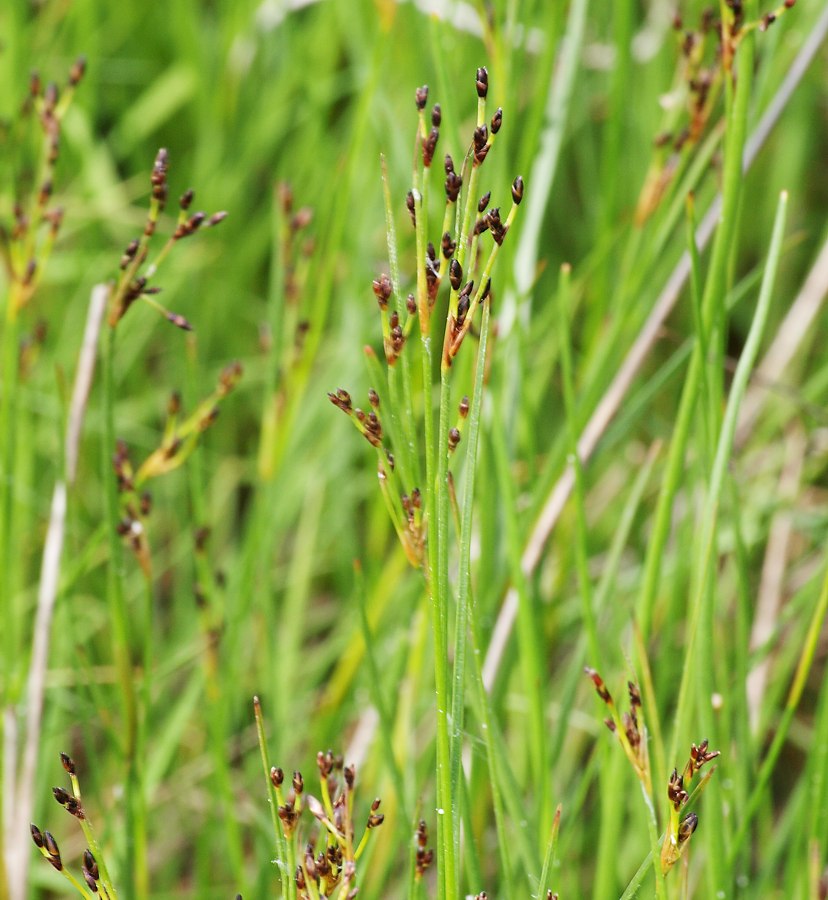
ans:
x=638 y=485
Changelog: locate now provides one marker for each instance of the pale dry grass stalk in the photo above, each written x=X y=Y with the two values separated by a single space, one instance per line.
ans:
x=21 y=809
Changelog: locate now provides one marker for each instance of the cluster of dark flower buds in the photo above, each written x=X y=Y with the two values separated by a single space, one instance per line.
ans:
x=94 y=874
x=328 y=863
x=134 y=282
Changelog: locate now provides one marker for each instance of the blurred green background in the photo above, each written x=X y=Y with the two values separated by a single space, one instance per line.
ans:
x=246 y=96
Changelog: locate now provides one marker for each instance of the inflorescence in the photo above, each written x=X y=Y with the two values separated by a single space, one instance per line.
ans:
x=464 y=259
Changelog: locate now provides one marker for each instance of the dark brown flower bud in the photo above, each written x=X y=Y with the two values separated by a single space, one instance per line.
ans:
x=411 y=304
x=382 y=290
x=52 y=849
x=373 y=398
x=448 y=164
x=284 y=193
x=68 y=763
x=50 y=98
x=158 y=179
x=77 y=71
x=455 y=275
x=453 y=439
x=453 y=185
x=429 y=146
x=463 y=408
x=179 y=321
x=483 y=202
x=462 y=309
x=129 y=253
x=37 y=835
x=342 y=400
x=421 y=96
x=436 y=115
x=481 y=144
x=277 y=776
x=448 y=246
x=482 y=82
x=497 y=120
x=517 y=190
x=496 y=226
x=686 y=827
x=298 y=783
x=90 y=864
x=411 y=206
x=600 y=687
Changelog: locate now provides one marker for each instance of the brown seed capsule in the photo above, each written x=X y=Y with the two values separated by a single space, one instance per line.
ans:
x=373 y=398
x=37 y=835
x=463 y=408
x=411 y=304
x=453 y=439
x=298 y=782
x=277 y=776
x=436 y=115
x=482 y=82
x=66 y=761
x=517 y=190
x=483 y=202
x=447 y=246
x=421 y=96
x=448 y=164
x=497 y=120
